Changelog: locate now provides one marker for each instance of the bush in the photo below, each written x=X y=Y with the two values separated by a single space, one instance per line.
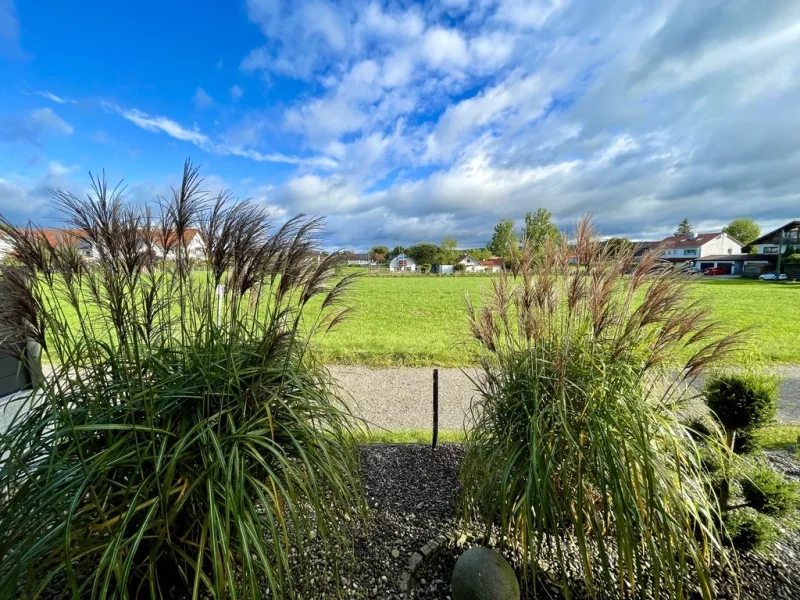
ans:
x=459 y=267
x=742 y=401
x=577 y=431
x=793 y=259
x=768 y=492
x=748 y=530
x=185 y=442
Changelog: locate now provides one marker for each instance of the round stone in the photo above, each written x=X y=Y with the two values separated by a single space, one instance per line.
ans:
x=483 y=574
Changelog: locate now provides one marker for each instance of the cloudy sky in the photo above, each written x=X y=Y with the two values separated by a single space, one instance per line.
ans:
x=404 y=121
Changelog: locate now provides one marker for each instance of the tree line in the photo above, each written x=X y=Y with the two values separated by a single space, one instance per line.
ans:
x=538 y=228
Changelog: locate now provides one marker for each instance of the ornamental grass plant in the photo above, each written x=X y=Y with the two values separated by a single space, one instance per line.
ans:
x=187 y=442
x=578 y=455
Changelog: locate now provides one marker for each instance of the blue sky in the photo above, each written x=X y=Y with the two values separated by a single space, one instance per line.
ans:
x=404 y=121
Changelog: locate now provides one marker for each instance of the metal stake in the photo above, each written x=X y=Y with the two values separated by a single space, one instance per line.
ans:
x=435 y=407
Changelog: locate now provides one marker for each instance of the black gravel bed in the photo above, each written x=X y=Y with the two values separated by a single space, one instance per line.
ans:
x=413 y=494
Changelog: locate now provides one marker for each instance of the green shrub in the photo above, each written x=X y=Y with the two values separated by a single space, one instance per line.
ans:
x=748 y=530
x=742 y=401
x=577 y=433
x=768 y=492
x=459 y=267
x=793 y=259
x=185 y=443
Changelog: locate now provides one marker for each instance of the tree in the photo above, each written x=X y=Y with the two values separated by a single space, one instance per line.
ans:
x=684 y=228
x=617 y=245
x=743 y=230
x=379 y=250
x=397 y=251
x=423 y=253
x=539 y=228
x=447 y=254
x=504 y=240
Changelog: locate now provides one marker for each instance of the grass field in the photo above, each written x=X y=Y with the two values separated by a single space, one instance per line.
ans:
x=419 y=321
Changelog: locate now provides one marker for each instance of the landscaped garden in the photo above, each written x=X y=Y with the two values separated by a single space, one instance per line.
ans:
x=191 y=444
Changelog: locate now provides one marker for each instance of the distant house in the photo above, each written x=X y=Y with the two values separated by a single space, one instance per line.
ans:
x=5 y=246
x=778 y=241
x=401 y=262
x=69 y=237
x=643 y=247
x=471 y=265
x=685 y=248
x=493 y=264
x=358 y=260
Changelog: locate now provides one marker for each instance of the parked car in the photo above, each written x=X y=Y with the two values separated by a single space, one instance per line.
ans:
x=773 y=276
x=714 y=271
x=690 y=270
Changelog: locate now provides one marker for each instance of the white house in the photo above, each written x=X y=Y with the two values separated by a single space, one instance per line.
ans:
x=5 y=246
x=685 y=248
x=471 y=265
x=359 y=260
x=401 y=262
x=195 y=247
x=494 y=264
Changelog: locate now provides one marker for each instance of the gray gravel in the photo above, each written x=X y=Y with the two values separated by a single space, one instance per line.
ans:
x=397 y=399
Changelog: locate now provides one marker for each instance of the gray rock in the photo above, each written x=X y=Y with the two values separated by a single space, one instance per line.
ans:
x=483 y=574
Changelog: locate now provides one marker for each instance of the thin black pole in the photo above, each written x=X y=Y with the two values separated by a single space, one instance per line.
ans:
x=435 y=407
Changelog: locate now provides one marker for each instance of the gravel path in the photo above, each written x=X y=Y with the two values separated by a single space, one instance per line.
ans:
x=397 y=399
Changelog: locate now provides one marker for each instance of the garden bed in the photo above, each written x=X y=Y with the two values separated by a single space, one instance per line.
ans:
x=413 y=492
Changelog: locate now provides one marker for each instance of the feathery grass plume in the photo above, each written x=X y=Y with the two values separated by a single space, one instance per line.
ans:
x=186 y=442
x=577 y=439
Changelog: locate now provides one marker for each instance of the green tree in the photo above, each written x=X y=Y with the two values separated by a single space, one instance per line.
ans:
x=447 y=254
x=423 y=253
x=743 y=230
x=684 y=228
x=397 y=251
x=539 y=227
x=504 y=241
x=379 y=250
x=616 y=245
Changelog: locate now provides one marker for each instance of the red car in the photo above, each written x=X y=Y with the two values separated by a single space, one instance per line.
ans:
x=714 y=271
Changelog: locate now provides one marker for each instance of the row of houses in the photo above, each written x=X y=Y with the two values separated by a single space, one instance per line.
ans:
x=718 y=249
x=192 y=241
x=465 y=263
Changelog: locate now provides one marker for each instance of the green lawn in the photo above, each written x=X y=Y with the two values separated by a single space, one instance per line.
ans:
x=419 y=321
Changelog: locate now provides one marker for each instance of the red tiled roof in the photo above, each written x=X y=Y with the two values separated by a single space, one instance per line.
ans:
x=60 y=237
x=685 y=241
x=494 y=261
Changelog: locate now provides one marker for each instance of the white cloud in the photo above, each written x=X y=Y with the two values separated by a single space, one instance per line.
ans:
x=161 y=124
x=236 y=92
x=201 y=99
x=445 y=48
x=52 y=97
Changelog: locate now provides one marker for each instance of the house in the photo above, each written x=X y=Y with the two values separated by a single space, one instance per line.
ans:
x=493 y=264
x=778 y=241
x=5 y=246
x=69 y=237
x=680 y=249
x=643 y=247
x=192 y=241
x=358 y=260
x=471 y=265
x=401 y=262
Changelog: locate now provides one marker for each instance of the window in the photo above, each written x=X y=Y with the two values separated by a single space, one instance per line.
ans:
x=690 y=252
x=770 y=250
